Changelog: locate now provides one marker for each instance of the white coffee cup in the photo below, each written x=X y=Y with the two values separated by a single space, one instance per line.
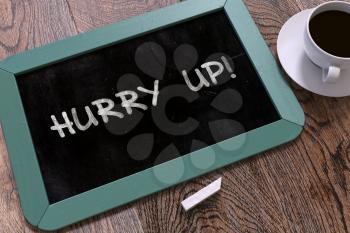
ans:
x=331 y=65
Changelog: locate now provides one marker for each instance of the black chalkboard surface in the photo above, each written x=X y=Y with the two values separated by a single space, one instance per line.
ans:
x=123 y=138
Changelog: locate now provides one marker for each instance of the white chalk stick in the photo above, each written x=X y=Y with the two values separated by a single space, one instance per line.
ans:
x=201 y=195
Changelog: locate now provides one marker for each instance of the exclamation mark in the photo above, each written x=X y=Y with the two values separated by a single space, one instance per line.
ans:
x=228 y=67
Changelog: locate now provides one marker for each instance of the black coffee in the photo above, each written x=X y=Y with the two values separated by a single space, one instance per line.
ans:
x=331 y=32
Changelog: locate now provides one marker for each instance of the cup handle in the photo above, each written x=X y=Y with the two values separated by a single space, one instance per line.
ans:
x=331 y=74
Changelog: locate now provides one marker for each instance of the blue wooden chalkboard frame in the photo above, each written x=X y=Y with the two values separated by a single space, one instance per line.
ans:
x=29 y=182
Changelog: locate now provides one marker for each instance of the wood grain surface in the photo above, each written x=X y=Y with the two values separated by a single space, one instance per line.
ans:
x=303 y=186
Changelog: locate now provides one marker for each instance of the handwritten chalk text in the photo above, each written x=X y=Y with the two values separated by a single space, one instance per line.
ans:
x=104 y=110
x=128 y=98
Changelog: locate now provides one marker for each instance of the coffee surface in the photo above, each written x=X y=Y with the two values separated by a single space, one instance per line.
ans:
x=331 y=32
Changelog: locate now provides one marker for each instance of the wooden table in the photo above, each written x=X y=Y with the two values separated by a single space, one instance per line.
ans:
x=303 y=186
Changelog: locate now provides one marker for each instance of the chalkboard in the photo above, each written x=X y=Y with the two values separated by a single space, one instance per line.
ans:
x=96 y=115
x=183 y=120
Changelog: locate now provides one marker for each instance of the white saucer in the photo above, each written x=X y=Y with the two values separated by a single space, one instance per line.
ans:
x=290 y=48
